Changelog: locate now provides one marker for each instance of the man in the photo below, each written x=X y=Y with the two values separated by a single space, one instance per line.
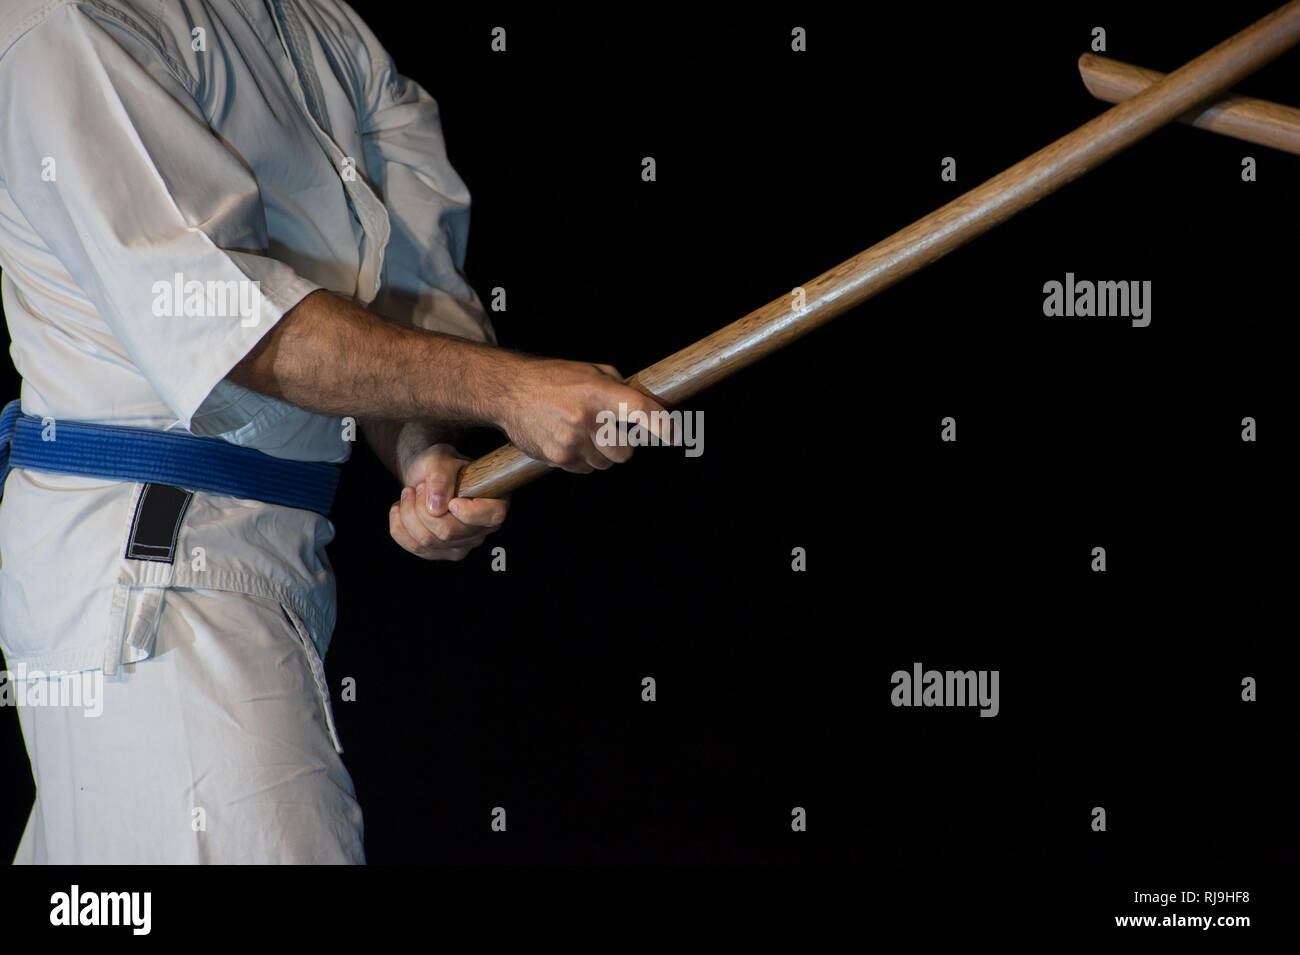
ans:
x=229 y=220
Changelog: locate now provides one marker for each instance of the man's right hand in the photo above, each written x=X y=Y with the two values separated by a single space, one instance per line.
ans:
x=550 y=412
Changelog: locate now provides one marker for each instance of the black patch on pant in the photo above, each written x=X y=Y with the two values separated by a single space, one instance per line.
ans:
x=157 y=522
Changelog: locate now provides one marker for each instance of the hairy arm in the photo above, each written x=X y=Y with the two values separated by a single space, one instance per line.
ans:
x=331 y=356
x=398 y=443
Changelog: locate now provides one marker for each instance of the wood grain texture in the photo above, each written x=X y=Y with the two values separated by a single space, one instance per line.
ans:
x=1253 y=120
x=772 y=326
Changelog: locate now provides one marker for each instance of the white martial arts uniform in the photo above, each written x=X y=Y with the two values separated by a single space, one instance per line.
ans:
x=148 y=141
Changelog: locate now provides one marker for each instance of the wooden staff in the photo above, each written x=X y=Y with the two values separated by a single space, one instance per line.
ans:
x=1254 y=120
x=780 y=322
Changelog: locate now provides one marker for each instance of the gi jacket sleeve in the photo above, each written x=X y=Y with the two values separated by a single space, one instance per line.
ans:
x=141 y=191
x=428 y=203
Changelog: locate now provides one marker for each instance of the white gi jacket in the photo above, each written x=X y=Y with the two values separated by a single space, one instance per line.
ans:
x=215 y=140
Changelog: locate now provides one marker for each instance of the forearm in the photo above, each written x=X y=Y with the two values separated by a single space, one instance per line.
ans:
x=397 y=443
x=331 y=356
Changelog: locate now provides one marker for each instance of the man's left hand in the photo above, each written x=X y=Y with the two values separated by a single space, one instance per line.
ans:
x=428 y=521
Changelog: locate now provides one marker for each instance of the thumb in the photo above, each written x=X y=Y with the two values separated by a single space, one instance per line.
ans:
x=437 y=469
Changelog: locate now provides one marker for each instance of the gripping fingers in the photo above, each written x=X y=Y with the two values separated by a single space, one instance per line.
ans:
x=429 y=537
x=656 y=421
x=598 y=457
x=397 y=530
x=614 y=453
x=484 y=512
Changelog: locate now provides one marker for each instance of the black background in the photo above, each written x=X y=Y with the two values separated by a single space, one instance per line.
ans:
x=479 y=689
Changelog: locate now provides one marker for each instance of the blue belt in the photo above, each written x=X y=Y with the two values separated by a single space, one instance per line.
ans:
x=162 y=457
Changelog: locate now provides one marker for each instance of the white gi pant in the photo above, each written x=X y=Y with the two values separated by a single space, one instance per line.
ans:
x=212 y=739
x=218 y=748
